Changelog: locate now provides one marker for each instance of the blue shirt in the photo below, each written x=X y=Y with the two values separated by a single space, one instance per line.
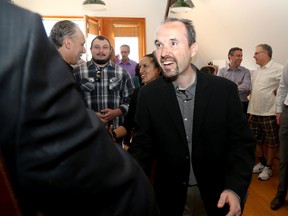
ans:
x=186 y=104
x=241 y=76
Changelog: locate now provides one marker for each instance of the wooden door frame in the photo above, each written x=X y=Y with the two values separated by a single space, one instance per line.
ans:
x=106 y=26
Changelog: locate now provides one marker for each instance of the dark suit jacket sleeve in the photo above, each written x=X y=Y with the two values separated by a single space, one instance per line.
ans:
x=223 y=131
x=241 y=148
x=129 y=122
x=60 y=157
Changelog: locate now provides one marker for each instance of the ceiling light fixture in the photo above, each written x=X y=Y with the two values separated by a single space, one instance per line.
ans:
x=94 y=5
x=181 y=6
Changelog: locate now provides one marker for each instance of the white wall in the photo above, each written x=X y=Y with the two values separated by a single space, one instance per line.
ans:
x=152 y=10
x=220 y=24
x=223 y=24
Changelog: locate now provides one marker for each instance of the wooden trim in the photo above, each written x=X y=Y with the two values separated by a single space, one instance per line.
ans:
x=63 y=17
x=108 y=24
x=105 y=27
x=169 y=3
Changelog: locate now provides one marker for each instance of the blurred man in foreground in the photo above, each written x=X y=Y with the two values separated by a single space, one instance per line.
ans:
x=60 y=158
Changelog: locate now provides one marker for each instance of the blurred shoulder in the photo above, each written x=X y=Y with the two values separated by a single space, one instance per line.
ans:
x=153 y=86
x=13 y=14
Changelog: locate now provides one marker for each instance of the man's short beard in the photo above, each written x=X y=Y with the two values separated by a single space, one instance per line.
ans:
x=100 y=61
x=173 y=77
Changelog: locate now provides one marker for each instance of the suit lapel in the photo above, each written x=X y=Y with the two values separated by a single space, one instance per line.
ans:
x=170 y=104
x=201 y=103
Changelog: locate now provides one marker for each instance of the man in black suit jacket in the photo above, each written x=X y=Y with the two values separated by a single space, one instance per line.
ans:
x=192 y=125
x=60 y=158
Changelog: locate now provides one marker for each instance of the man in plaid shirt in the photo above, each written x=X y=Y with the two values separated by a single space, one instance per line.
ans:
x=106 y=86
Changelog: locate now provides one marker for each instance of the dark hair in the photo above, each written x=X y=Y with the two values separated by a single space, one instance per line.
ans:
x=61 y=30
x=154 y=61
x=100 y=37
x=137 y=69
x=267 y=48
x=208 y=70
x=191 y=34
x=232 y=50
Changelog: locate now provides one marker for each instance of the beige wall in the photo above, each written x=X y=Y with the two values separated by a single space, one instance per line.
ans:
x=220 y=24
x=116 y=8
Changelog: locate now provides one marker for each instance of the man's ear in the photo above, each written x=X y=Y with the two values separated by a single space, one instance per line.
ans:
x=194 y=49
x=67 y=43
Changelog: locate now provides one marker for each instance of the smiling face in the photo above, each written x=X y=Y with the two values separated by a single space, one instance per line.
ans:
x=148 y=70
x=73 y=47
x=261 y=56
x=172 y=49
x=77 y=46
x=235 y=58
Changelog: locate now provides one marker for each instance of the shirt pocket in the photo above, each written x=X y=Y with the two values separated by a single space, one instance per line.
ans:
x=115 y=84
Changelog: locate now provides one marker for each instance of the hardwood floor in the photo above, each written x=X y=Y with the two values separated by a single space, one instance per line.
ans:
x=260 y=195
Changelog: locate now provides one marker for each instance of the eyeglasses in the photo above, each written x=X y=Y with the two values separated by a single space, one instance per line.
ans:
x=256 y=53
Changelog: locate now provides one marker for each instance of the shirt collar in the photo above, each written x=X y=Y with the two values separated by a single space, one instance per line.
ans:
x=230 y=69
x=121 y=62
x=189 y=88
x=268 y=65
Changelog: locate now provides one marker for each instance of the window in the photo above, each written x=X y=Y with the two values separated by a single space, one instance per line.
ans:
x=119 y=31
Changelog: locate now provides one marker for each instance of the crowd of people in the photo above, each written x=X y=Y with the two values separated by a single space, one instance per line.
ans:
x=67 y=123
x=264 y=95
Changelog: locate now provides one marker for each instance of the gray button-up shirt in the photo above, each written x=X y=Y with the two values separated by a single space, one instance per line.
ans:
x=186 y=99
